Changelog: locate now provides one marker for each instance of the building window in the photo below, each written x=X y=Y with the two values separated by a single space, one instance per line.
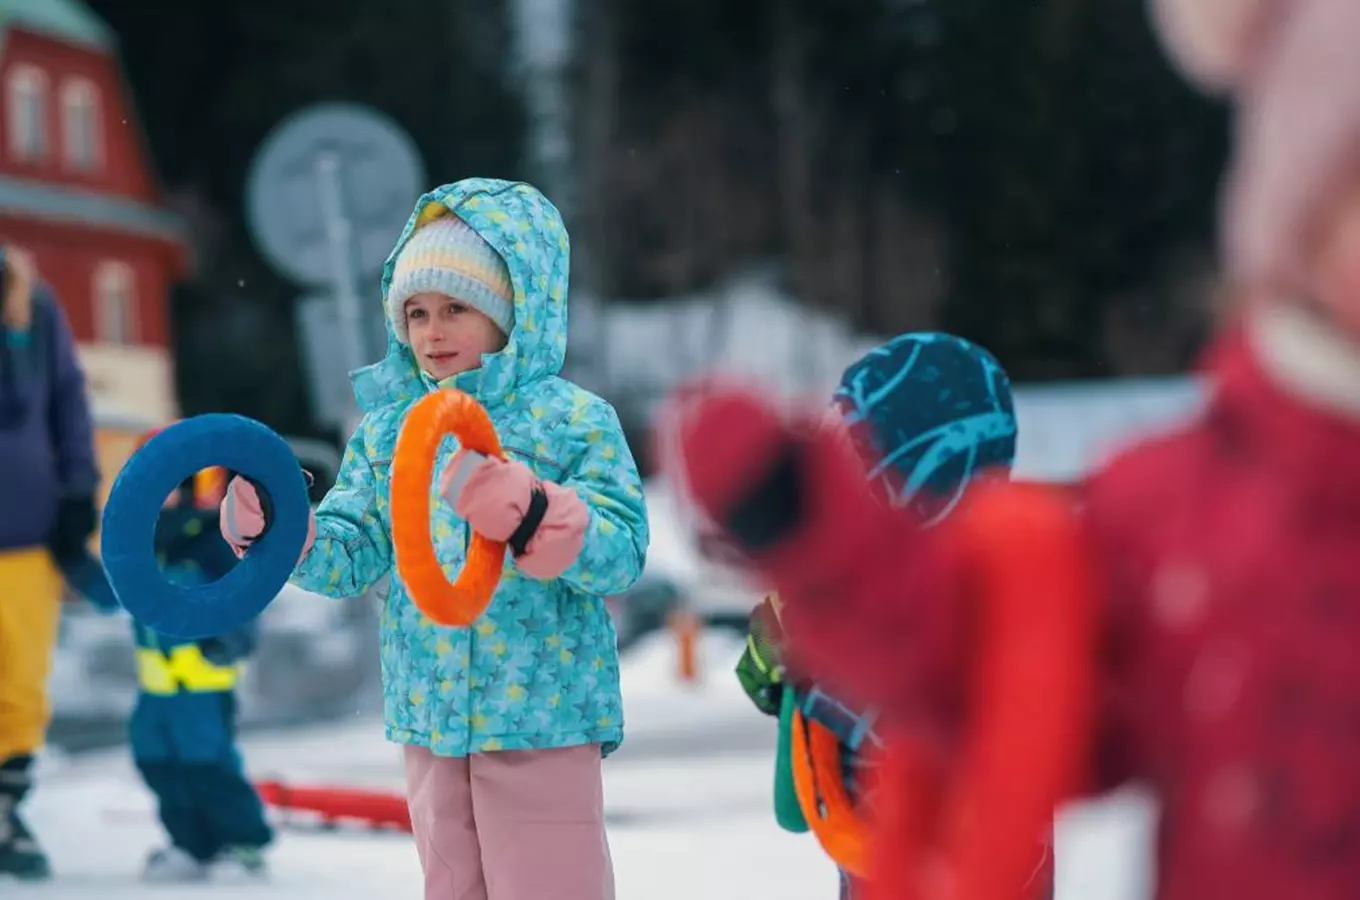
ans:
x=27 y=107
x=80 y=125
x=115 y=304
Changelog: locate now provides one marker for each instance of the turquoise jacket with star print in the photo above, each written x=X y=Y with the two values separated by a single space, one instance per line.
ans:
x=540 y=668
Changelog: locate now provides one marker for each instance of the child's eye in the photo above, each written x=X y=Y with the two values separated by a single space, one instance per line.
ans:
x=457 y=308
x=415 y=314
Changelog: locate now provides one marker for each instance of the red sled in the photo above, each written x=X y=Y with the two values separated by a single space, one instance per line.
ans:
x=379 y=809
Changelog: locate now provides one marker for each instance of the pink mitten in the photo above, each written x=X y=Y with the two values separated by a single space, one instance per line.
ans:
x=243 y=518
x=497 y=497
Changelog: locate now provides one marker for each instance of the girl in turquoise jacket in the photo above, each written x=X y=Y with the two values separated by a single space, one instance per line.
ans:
x=512 y=715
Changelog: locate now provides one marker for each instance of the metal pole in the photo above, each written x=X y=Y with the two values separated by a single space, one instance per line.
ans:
x=340 y=235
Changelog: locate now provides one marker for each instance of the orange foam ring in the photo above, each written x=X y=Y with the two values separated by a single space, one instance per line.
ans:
x=822 y=794
x=461 y=602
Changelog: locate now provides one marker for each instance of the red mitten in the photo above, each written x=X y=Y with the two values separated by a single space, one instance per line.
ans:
x=870 y=599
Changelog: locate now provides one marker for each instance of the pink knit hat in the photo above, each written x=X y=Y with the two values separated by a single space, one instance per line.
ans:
x=1292 y=68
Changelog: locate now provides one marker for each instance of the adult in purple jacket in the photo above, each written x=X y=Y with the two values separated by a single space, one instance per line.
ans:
x=48 y=477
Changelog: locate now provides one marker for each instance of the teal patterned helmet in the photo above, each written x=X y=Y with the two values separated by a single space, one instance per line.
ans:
x=929 y=413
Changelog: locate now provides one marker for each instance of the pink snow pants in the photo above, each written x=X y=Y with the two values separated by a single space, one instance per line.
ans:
x=513 y=825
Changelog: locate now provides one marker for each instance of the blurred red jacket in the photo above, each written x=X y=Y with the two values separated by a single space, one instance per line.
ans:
x=1228 y=562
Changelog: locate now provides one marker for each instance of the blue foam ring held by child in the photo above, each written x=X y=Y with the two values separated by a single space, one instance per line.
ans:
x=240 y=445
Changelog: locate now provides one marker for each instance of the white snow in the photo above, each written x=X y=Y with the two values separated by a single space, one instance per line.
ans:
x=691 y=822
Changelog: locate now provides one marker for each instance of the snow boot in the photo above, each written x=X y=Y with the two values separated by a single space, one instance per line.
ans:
x=172 y=865
x=20 y=855
x=240 y=864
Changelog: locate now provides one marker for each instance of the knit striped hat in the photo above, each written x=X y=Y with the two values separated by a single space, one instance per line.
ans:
x=448 y=257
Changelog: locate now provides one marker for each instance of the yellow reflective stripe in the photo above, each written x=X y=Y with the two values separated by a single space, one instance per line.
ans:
x=184 y=669
x=755 y=655
x=153 y=672
x=775 y=674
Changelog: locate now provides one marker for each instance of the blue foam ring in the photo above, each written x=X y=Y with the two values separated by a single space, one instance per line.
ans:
x=236 y=443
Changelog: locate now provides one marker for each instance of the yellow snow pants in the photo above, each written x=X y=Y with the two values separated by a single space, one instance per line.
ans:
x=30 y=613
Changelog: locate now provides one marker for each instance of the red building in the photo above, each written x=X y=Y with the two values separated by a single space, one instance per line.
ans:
x=77 y=190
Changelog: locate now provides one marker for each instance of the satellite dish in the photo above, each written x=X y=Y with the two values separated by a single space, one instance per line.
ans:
x=380 y=176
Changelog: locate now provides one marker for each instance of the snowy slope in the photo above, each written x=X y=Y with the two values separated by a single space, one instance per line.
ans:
x=666 y=840
x=688 y=802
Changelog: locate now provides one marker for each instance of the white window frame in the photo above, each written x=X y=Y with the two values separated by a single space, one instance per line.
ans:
x=26 y=102
x=82 y=120
x=115 y=303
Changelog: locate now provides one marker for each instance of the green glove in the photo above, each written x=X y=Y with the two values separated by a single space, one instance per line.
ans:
x=761 y=669
x=787 y=810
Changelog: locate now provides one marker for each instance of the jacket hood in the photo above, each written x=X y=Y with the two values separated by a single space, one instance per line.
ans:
x=527 y=231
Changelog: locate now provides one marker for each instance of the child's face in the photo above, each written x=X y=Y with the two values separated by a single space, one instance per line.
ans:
x=448 y=336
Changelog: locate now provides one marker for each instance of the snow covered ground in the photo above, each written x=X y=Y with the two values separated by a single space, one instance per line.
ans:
x=688 y=802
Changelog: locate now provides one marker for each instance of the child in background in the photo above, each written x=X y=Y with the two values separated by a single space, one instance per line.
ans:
x=48 y=479
x=182 y=730
x=503 y=723
x=1220 y=558
x=900 y=406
